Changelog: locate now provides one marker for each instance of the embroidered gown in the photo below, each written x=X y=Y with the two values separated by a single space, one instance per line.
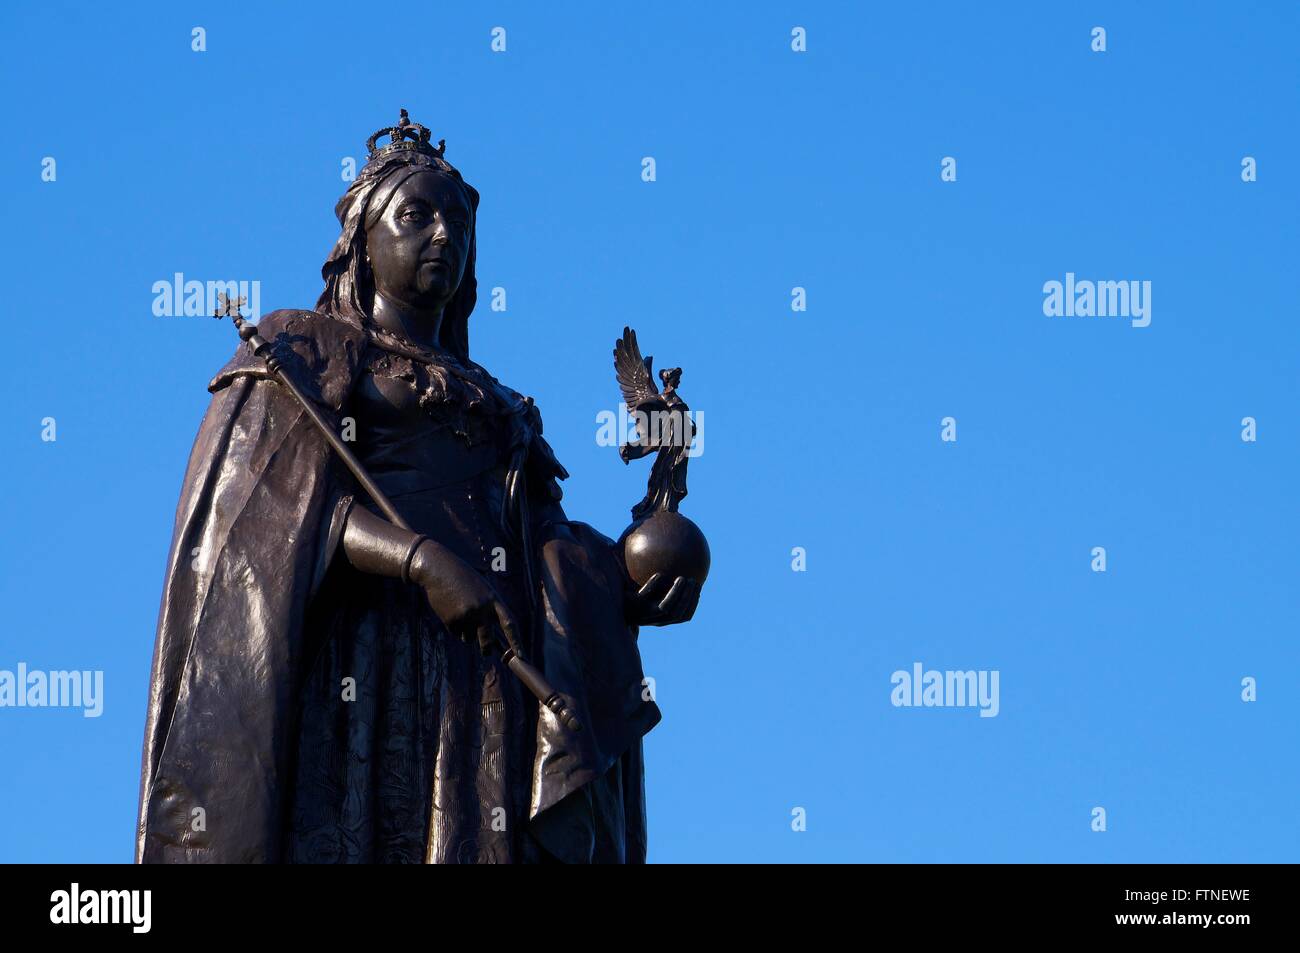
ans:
x=430 y=757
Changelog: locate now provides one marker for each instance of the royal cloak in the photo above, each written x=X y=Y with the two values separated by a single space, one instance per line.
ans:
x=259 y=522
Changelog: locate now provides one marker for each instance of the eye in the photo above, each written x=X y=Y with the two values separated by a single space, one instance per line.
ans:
x=413 y=214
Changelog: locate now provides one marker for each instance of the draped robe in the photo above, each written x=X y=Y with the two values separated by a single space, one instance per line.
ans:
x=254 y=570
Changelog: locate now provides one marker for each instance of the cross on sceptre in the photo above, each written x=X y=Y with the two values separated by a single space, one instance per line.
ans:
x=225 y=305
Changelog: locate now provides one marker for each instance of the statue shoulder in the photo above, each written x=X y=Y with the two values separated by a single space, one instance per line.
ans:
x=526 y=422
x=322 y=351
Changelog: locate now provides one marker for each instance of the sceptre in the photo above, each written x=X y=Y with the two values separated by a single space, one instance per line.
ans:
x=530 y=675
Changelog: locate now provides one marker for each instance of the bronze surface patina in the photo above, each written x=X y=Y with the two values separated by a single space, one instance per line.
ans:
x=381 y=639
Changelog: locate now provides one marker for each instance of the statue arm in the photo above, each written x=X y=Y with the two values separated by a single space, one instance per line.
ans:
x=461 y=598
x=661 y=601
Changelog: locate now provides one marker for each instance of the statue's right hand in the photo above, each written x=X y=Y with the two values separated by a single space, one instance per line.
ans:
x=462 y=599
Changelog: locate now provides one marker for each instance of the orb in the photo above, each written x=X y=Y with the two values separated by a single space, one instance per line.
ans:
x=668 y=543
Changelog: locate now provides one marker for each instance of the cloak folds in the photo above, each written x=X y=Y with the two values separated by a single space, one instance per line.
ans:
x=259 y=521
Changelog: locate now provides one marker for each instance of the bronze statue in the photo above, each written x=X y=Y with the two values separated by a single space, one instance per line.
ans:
x=381 y=639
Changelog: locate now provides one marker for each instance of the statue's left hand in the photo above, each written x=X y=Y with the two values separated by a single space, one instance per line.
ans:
x=664 y=601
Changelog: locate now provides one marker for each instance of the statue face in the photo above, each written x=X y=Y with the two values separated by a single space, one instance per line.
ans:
x=419 y=245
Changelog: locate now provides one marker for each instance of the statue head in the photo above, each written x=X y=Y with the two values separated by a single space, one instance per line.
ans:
x=408 y=231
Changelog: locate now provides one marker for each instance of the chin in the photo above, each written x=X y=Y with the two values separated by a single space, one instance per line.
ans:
x=435 y=296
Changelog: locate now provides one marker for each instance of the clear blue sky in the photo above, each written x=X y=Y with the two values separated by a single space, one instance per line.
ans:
x=775 y=169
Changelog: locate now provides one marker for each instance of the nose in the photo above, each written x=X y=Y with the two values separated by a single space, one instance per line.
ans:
x=441 y=230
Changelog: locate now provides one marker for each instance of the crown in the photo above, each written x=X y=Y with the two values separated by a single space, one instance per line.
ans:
x=406 y=136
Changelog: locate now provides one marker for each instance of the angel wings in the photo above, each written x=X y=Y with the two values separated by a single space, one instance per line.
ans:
x=636 y=375
x=661 y=418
